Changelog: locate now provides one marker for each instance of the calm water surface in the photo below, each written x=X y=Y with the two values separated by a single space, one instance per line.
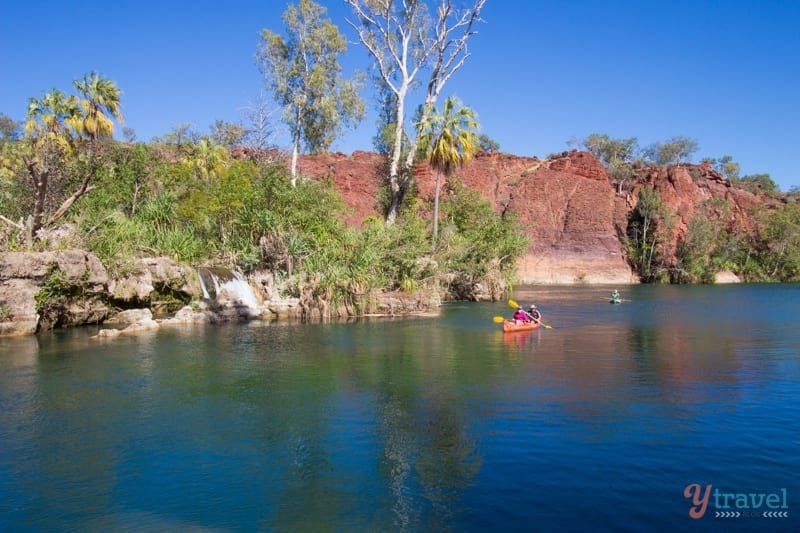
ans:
x=442 y=424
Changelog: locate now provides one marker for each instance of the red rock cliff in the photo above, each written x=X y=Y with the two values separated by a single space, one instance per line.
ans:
x=571 y=209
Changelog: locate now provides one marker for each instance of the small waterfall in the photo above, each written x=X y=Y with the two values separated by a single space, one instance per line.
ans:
x=216 y=281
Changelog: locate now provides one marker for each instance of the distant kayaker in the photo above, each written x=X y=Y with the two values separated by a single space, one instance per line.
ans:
x=615 y=295
x=534 y=313
x=519 y=316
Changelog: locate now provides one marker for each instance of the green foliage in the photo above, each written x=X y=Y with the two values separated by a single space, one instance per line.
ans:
x=608 y=150
x=725 y=166
x=487 y=144
x=616 y=154
x=304 y=76
x=675 y=151
x=710 y=245
x=447 y=141
x=5 y=313
x=780 y=243
x=475 y=239
x=229 y=134
x=181 y=135
x=756 y=183
x=53 y=296
x=155 y=230
x=15 y=193
x=128 y=176
x=10 y=129
x=649 y=227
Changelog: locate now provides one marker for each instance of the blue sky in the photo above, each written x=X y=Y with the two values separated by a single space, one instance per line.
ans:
x=724 y=72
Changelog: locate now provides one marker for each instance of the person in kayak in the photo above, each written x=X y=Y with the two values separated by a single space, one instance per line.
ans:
x=534 y=314
x=520 y=317
x=615 y=295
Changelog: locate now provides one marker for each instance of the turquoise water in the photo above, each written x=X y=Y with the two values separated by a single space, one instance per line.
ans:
x=419 y=424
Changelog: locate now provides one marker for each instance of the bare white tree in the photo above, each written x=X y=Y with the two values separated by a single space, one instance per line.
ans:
x=260 y=130
x=404 y=42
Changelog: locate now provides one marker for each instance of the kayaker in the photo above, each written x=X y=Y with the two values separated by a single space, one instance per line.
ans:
x=615 y=295
x=519 y=316
x=534 y=313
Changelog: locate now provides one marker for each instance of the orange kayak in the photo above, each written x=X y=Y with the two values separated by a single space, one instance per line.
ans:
x=509 y=326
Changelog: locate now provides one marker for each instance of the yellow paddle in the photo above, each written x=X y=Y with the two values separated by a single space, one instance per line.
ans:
x=499 y=319
x=515 y=305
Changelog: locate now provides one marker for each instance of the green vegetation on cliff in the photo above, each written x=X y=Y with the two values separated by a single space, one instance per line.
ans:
x=717 y=238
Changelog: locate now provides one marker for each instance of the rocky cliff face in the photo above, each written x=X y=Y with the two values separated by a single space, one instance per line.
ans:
x=685 y=189
x=44 y=290
x=573 y=212
x=567 y=204
x=75 y=292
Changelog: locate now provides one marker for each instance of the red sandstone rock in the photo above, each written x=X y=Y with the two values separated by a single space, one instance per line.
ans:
x=571 y=209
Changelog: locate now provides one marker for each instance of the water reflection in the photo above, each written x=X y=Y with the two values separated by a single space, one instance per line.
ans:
x=398 y=424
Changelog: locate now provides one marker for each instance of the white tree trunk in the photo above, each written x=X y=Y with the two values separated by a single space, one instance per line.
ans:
x=394 y=164
x=295 y=151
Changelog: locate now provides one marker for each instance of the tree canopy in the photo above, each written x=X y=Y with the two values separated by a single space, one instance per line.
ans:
x=447 y=140
x=304 y=75
x=406 y=42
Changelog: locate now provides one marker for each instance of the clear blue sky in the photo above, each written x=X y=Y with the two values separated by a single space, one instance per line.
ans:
x=724 y=72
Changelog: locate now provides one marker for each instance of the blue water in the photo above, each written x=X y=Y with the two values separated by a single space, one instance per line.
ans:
x=420 y=424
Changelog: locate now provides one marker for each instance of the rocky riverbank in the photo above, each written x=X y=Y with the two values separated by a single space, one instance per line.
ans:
x=45 y=290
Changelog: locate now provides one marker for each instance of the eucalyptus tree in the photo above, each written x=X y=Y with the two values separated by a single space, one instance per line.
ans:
x=447 y=140
x=10 y=129
x=616 y=154
x=726 y=166
x=180 y=135
x=649 y=225
x=304 y=75
x=675 y=151
x=229 y=134
x=609 y=150
x=129 y=134
x=487 y=144
x=405 y=43
x=781 y=247
x=758 y=182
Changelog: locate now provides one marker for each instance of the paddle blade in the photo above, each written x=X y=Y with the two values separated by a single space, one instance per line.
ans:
x=499 y=319
x=513 y=304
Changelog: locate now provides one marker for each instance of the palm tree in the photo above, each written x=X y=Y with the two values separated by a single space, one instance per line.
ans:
x=447 y=141
x=50 y=127
x=47 y=128
x=52 y=114
x=101 y=98
x=209 y=160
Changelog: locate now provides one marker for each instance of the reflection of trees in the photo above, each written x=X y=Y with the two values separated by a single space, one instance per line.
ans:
x=425 y=452
x=448 y=460
x=292 y=427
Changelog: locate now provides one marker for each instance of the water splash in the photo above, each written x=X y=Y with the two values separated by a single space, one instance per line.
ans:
x=216 y=281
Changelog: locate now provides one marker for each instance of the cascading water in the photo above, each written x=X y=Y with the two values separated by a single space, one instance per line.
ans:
x=216 y=281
